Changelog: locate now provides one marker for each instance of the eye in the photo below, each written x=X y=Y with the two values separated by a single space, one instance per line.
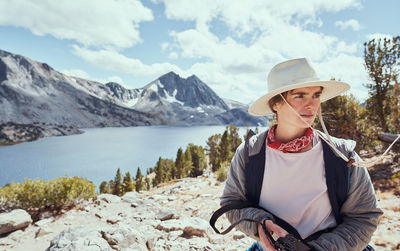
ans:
x=317 y=95
x=299 y=96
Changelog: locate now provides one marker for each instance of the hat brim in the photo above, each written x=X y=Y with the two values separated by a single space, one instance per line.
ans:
x=331 y=89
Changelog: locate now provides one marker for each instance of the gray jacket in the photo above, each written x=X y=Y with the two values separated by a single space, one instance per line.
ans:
x=360 y=212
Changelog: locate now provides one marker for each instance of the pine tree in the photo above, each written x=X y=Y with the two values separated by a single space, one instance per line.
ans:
x=128 y=183
x=235 y=138
x=396 y=93
x=212 y=143
x=111 y=185
x=148 y=183
x=344 y=117
x=139 y=180
x=224 y=147
x=172 y=172
x=198 y=160
x=179 y=163
x=118 y=184
x=187 y=163
x=381 y=62
x=159 y=172
x=169 y=169
x=104 y=187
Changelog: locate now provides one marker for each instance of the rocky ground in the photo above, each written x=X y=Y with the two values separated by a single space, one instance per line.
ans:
x=171 y=217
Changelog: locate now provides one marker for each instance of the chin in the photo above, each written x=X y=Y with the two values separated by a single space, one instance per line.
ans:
x=301 y=123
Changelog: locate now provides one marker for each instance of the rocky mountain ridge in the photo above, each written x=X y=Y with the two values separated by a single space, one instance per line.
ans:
x=34 y=92
x=11 y=133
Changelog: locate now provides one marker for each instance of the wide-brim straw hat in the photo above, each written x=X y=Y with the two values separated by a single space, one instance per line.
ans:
x=293 y=74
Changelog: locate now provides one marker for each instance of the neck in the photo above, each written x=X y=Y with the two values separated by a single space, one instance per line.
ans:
x=288 y=133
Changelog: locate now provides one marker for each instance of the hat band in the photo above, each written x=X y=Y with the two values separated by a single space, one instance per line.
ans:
x=295 y=81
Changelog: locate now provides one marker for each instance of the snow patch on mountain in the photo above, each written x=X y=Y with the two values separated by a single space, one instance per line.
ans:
x=154 y=87
x=199 y=109
x=160 y=85
x=132 y=102
x=232 y=104
x=172 y=98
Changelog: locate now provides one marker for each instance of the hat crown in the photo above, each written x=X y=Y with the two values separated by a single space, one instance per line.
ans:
x=291 y=72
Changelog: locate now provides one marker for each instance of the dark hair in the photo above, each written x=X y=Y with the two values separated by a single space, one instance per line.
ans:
x=276 y=99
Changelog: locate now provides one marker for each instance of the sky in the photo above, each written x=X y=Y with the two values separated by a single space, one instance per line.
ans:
x=229 y=44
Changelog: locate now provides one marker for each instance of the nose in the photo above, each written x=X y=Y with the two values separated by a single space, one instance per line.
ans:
x=311 y=103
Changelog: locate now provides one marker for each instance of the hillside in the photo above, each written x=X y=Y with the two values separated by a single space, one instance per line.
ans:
x=173 y=216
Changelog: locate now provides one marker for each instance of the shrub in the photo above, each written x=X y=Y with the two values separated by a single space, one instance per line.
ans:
x=222 y=172
x=35 y=195
x=346 y=118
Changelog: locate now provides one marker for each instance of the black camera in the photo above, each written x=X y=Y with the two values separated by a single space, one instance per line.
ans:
x=287 y=243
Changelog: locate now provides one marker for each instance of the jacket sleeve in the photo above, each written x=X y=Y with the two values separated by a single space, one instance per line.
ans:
x=360 y=214
x=235 y=190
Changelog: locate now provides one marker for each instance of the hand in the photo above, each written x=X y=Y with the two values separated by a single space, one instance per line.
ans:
x=274 y=229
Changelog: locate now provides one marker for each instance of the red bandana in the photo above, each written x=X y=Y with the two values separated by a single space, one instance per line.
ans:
x=292 y=146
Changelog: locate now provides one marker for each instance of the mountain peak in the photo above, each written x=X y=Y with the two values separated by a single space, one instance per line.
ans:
x=170 y=74
x=194 y=76
x=114 y=85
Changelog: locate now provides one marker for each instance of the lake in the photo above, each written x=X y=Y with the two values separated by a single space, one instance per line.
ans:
x=99 y=152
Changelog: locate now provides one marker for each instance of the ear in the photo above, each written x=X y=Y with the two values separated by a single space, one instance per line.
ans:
x=276 y=107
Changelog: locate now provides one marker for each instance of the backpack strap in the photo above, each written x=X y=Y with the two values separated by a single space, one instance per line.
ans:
x=226 y=208
x=245 y=204
x=337 y=180
x=250 y=134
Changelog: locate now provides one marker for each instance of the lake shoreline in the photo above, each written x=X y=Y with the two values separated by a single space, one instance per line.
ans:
x=15 y=133
x=98 y=152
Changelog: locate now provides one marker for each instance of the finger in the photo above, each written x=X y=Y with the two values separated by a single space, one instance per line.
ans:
x=265 y=240
x=276 y=229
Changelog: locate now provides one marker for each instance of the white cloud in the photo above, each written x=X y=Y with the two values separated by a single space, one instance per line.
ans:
x=76 y=73
x=246 y=16
x=173 y=55
x=100 y=23
x=377 y=36
x=279 y=32
x=115 y=61
x=164 y=46
x=347 y=68
x=237 y=69
x=352 y=23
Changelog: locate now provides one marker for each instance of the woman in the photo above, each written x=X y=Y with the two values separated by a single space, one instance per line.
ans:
x=300 y=176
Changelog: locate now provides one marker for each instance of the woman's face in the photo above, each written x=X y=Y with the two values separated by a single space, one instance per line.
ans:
x=305 y=101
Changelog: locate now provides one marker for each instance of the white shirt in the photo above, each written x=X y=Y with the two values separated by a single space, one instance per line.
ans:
x=294 y=189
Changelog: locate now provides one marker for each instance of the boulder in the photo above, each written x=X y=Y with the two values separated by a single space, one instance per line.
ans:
x=14 y=220
x=44 y=222
x=131 y=197
x=109 y=198
x=124 y=238
x=42 y=231
x=167 y=214
x=79 y=238
x=190 y=226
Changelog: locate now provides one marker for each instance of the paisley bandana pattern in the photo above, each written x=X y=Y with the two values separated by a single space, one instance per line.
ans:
x=292 y=146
